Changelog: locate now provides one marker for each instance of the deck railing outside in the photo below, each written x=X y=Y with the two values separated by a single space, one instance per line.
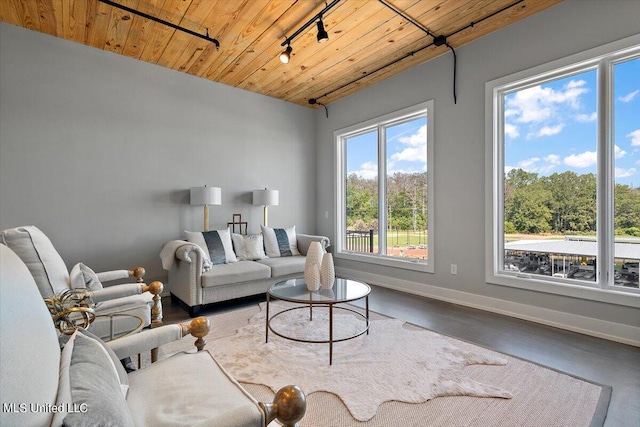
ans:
x=360 y=240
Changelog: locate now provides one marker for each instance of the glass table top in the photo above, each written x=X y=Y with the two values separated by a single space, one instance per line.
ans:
x=295 y=290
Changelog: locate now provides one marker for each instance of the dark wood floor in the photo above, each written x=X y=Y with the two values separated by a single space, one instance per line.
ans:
x=594 y=359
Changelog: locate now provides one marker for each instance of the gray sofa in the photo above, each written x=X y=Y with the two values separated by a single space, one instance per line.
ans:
x=193 y=285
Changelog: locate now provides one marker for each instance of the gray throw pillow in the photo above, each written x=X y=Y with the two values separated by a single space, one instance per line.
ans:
x=95 y=387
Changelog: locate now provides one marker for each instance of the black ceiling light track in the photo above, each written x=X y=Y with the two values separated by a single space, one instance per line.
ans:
x=322 y=35
x=438 y=40
x=317 y=17
x=163 y=22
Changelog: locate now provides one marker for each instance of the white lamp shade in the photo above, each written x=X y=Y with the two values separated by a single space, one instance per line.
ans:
x=265 y=197
x=206 y=196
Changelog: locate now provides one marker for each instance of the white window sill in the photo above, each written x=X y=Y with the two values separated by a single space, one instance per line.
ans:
x=406 y=264
x=629 y=298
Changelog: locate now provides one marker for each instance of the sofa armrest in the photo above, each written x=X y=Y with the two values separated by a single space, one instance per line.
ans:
x=304 y=240
x=151 y=339
x=185 y=274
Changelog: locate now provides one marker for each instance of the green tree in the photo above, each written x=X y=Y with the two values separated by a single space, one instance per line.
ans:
x=527 y=209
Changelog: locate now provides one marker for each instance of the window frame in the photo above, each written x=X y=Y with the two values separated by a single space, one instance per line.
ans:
x=340 y=174
x=603 y=59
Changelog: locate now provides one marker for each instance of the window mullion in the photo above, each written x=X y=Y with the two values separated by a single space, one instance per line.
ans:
x=382 y=191
x=606 y=181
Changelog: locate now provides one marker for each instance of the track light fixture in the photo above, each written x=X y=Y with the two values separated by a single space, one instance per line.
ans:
x=322 y=34
x=285 y=56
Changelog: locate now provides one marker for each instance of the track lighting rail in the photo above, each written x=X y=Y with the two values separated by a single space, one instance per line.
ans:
x=437 y=41
x=288 y=40
x=163 y=22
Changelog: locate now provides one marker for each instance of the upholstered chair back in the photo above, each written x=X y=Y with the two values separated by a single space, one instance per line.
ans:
x=45 y=263
x=30 y=352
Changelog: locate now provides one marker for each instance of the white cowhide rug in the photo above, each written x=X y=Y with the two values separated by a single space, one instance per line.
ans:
x=393 y=362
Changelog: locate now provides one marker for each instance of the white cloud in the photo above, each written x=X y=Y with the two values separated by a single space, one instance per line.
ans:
x=550 y=130
x=630 y=96
x=511 y=131
x=369 y=171
x=586 y=117
x=415 y=151
x=544 y=109
x=417 y=139
x=553 y=159
x=635 y=137
x=583 y=160
x=537 y=165
x=619 y=152
x=528 y=164
x=624 y=173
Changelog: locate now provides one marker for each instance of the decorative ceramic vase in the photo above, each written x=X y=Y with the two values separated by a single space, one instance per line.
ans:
x=312 y=277
x=314 y=254
x=327 y=272
x=312 y=266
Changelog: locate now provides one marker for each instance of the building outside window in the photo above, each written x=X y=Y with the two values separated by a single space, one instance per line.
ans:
x=564 y=173
x=386 y=220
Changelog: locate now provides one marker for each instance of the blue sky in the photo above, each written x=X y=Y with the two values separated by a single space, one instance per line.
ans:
x=406 y=150
x=552 y=127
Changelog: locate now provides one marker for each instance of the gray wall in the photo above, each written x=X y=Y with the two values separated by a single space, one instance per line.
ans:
x=99 y=151
x=459 y=168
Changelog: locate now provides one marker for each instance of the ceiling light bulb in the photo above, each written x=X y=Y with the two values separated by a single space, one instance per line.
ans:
x=322 y=34
x=286 y=55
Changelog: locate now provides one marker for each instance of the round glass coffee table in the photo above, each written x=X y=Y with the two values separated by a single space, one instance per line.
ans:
x=295 y=291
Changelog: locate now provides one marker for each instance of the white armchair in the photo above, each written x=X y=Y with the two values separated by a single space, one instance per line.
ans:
x=84 y=384
x=52 y=278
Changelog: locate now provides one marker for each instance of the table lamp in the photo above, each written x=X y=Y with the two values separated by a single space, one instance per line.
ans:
x=265 y=198
x=206 y=196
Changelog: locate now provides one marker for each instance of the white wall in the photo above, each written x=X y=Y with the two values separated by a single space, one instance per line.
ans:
x=100 y=150
x=459 y=233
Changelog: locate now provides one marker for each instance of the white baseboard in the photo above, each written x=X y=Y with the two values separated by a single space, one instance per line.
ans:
x=625 y=334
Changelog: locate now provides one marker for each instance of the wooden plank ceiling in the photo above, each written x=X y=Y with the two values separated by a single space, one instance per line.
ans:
x=368 y=41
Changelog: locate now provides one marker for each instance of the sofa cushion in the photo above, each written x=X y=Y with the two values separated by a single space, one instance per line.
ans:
x=242 y=271
x=285 y=265
x=216 y=245
x=279 y=242
x=190 y=389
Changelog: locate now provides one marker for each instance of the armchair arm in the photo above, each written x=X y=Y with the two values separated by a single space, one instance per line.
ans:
x=152 y=339
x=128 y=289
x=304 y=240
x=108 y=276
x=289 y=406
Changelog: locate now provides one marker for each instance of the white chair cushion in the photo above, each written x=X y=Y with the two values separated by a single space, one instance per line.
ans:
x=30 y=353
x=44 y=262
x=190 y=390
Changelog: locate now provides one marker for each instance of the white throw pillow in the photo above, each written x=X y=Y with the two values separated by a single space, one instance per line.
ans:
x=254 y=247
x=82 y=276
x=216 y=245
x=238 y=246
x=249 y=247
x=280 y=242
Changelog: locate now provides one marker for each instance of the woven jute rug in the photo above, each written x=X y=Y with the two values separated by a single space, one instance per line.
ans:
x=525 y=394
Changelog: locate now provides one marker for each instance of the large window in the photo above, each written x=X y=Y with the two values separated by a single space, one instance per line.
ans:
x=564 y=143
x=384 y=210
